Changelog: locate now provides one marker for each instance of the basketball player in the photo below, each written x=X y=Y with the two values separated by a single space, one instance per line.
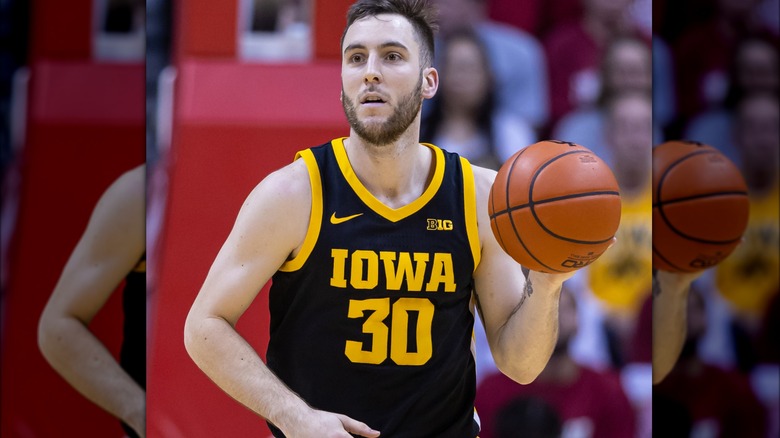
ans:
x=111 y=249
x=379 y=249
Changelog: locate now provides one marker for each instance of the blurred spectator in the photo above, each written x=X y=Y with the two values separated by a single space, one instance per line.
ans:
x=624 y=68
x=534 y=16
x=522 y=14
x=621 y=278
x=530 y=417
x=574 y=52
x=704 y=52
x=590 y=403
x=516 y=58
x=754 y=69
x=664 y=100
x=720 y=402
x=750 y=276
x=464 y=118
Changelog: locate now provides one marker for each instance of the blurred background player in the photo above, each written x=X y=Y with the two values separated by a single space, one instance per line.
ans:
x=72 y=103
x=110 y=251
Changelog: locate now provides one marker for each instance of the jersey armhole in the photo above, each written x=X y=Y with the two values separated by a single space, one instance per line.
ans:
x=315 y=218
x=470 y=208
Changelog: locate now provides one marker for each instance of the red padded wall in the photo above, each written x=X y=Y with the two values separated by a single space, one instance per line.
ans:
x=205 y=28
x=328 y=23
x=61 y=29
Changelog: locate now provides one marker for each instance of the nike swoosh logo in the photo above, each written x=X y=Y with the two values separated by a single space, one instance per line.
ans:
x=338 y=220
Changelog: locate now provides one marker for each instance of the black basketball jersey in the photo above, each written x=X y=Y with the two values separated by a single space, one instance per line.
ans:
x=374 y=317
x=132 y=355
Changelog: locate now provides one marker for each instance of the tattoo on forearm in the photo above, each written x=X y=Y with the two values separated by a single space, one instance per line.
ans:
x=528 y=290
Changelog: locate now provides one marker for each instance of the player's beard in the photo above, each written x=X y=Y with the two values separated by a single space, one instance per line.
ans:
x=381 y=134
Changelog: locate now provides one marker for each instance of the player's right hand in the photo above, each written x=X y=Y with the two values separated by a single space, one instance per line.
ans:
x=324 y=424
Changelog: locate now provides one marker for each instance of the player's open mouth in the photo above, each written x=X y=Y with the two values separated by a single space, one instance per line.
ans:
x=372 y=99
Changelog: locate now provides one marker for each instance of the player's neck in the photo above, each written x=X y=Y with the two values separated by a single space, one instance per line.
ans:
x=396 y=174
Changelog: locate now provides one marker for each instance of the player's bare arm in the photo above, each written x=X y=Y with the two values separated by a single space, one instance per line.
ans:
x=110 y=247
x=520 y=315
x=670 y=303
x=270 y=229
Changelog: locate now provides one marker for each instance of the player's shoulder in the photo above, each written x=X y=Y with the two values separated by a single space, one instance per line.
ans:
x=483 y=179
x=285 y=189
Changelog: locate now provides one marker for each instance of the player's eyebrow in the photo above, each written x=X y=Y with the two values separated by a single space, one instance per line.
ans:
x=357 y=46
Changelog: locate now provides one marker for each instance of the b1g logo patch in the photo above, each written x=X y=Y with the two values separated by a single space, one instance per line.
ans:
x=439 y=225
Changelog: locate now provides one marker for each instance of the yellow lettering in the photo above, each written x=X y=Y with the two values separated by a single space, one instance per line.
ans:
x=371 y=278
x=395 y=275
x=399 y=345
x=339 y=257
x=374 y=325
x=441 y=272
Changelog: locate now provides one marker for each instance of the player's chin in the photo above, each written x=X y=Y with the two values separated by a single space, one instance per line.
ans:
x=374 y=124
x=374 y=115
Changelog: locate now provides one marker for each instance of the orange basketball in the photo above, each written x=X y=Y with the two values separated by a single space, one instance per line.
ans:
x=700 y=206
x=554 y=206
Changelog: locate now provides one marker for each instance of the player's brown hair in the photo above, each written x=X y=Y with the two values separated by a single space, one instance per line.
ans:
x=420 y=13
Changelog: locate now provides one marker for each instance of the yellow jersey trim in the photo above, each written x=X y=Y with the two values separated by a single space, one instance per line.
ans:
x=470 y=207
x=391 y=214
x=315 y=218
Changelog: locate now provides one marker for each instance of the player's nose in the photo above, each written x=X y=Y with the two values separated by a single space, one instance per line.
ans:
x=373 y=72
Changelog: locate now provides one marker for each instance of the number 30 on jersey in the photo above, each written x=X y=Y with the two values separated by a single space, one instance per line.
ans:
x=397 y=332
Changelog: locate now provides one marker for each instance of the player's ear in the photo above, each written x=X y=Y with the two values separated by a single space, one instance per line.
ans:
x=430 y=82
